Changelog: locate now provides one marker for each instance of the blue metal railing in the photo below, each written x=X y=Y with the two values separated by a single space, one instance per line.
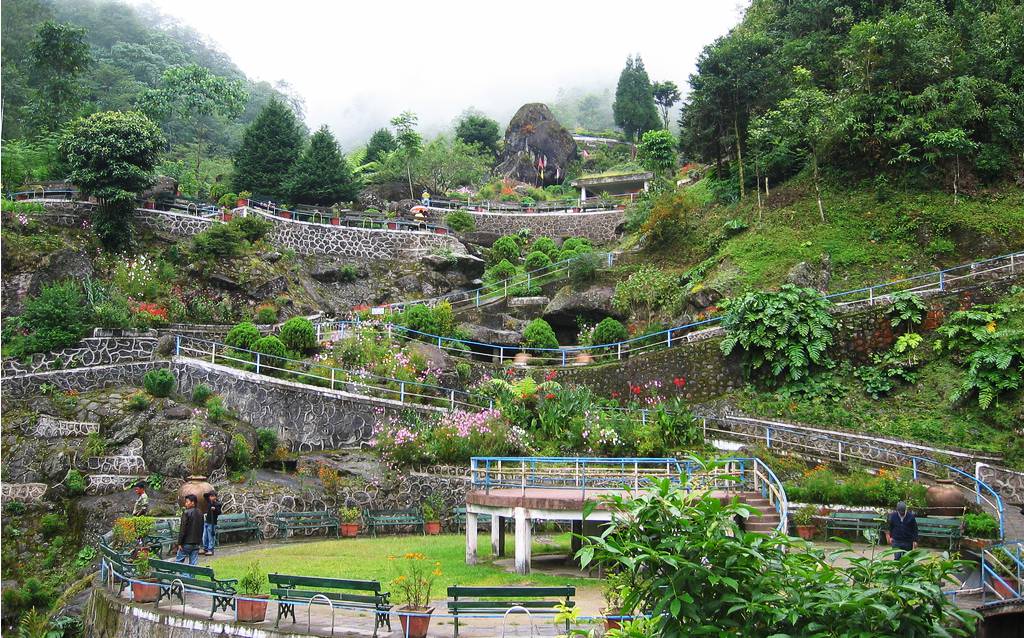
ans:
x=1002 y=570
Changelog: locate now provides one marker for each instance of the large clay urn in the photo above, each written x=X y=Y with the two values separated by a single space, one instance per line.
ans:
x=198 y=486
x=945 y=498
x=522 y=359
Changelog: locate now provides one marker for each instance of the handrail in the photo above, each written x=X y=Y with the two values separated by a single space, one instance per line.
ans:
x=990 y=576
x=616 y=350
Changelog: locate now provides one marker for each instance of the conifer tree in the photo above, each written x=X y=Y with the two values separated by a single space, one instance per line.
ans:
x=634 y=108
x=321 y=175
x=382 y=141
x=270 y=147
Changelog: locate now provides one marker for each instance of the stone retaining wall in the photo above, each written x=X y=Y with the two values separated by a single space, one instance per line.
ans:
x=91 y=351
x=598 y=227
x=1008 y=483
x=79 y=379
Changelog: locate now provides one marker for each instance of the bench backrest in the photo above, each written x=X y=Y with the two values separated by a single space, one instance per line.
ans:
x=856 y=516
x=233 y=518
x=512 y=592
x=114 y=557
x=938 y=524
x=410 y=511
x=321 y=514
x=317 y=582
x=171 y=567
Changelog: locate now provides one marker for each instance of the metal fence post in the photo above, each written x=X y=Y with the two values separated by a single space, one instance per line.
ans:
x=213 y=353
x=871 y=296
x=177 y=345
x=914 y=460
x=619 y=355
x=401 y=392
x=767 y=437
x=453 y=399
x=942 y=280
x=257 y=363
x=332 y=378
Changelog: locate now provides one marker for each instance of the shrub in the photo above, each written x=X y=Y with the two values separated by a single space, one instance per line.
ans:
x=216 y=411
x=545 y=245
x=781 y=333
x=609 y=331
x=159 y=383
x=220 y=241
x=537 y=260
x=577 y=245
x=201 y=393
x=266 y=443
x=583 y=269
x=500 y=271
x=464 y=370
x=505 y=248
x=239 y=456
x=299 y=335
x=251 y=227
x=982 y=525
x=57 y=318
x=460 y=221
x=51 y=524
x=348 y=273
x=32 y=595
x=266 y=313
x=75 y=482
x=539 y=334
x=419 y=317
x=95 y=444
x=272 y=353
x=907 y=310
x=648 y=289
x=243 y=335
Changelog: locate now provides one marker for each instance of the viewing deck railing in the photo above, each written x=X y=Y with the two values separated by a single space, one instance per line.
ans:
x=1002 y=571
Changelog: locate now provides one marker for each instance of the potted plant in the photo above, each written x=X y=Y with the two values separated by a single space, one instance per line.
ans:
x=198 y=460
x=225 y=214
x=243 y=199
x=144 y=588
x=433 y=507
x=412 y=586
x=252 y=606
x=980 y=529
x=803 y=520
x=614 y=591
x=349 y=521
x=287 y=214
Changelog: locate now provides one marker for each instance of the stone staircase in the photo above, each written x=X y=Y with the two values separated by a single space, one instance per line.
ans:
x=768 y=521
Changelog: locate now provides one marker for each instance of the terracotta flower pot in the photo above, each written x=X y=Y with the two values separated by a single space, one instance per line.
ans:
x=198 y=486
x=432 y=528
x=241 y=202
x=392 y=225
x=146 y=592
x=441 y=231
x=521 y=359
x=945 y=499
x=611 y=623
x=583 y=358
x=415 y=626
x=1004 y=589
x=226 y=216
x=150 y=204
x=335 y=221
x=252 y=610
x=350 y=530
x=806 y=532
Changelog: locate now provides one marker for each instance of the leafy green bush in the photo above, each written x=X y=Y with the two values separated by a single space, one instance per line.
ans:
x=982 y=525
x=299 y=335
x=159 y=383
x=583 y=268
x=239 y=456
x=539 y=334
x=95 y=444
x=51 y=524
x=266 y=443
x=649 y=289
x=537 y=260
x=610 y=330
x=57 y=318
x=500 y=271
x=348 y=273
x=464 y=370
x=201 y=393
x=858 y=488
x=243 y=335
x=272 y=353
x=782 y=334
x=216 y=411
x=907 y=310
x=460 y=221
x=219 y=241
x=419 y=317
x=252 y=228
x=33 y=594
x=545 y=245
x=505 y=248
x=266 y=313
x=577 y=245
x=75 y=482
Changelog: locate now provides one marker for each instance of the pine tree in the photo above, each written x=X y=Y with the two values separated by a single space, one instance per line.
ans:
x=382 y=141
x=270 y=147
x=321 y=176
x=634 y=108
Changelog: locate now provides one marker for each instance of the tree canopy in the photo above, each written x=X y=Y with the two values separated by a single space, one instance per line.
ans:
x=634 y=108
x=321 y=175
x=382 y=141
x=270 y=147
x=481 y=130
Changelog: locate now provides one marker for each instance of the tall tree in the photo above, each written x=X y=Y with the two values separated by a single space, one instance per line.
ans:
x=657 y=152
x=195 y=95
x=634 y=108
x=445 y=163
x=59 y=57
x=475 y=128
x=382 y=141
x=409 y=142
x=270 y=146
x=111 y=155
x=666 y=94
x=322 y=175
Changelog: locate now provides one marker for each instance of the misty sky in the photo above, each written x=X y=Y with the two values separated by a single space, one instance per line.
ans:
x=359 y=63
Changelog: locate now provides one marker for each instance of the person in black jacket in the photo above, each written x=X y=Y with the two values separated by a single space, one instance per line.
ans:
x=190 y=536
x=902 y=530
x=210 y=527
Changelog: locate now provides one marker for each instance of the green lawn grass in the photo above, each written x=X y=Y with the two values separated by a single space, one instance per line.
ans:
x=368 y=559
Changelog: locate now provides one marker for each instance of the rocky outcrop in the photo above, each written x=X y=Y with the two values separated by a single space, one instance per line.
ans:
x=534 y=136
x=809 y=275
x=593 y=304
x=62 y=264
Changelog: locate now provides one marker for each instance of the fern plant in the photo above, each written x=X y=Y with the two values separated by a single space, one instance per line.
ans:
x=782 y=334
x=907 y=310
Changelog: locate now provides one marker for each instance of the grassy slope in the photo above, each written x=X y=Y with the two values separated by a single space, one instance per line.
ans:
x=368 y=558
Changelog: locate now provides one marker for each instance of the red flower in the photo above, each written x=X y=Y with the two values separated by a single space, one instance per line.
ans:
x=635 y=389
x=549 y=395
x=615 y=395
x=551 y=375
x=679 y=381
x=510 y=372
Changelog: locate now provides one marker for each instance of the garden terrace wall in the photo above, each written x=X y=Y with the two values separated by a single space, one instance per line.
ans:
x=306 y=418
x=1008 y=483
x=89 y=352
x=79 y=379
x=598 y=227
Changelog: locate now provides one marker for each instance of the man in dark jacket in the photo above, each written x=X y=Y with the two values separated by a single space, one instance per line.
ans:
x=902 y=530
x=190 y=536
x=210 y=527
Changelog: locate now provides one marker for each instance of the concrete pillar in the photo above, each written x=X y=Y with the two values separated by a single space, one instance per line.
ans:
x=583 y=195
x=523 y=541
x=470 y=538
x=497 y=537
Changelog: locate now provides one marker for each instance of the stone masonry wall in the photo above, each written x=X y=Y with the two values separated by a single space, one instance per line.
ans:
x=1008 y=483
x=598 y=227
x=92 y=351
x=80 y=379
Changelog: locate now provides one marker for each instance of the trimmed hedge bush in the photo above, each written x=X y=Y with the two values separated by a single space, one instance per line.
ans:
x=243 y=335
x=299 y=335
x=539 y=334
x=504 y=269
x=545 y=245
x=460 y=221
x=272 y=353
x=505 y=248
x=537 y=260
x=609 y=331
x=159 y=383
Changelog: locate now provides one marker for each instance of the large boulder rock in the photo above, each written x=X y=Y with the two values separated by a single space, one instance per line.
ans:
x=809 y=275
x=65 y=263
x=534 y=136
x=163 y=188
x=592 y=303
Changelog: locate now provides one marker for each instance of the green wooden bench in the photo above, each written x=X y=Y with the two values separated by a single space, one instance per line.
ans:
x=291 y=521
x=949 y=528
x=392 y=518
x=458 y=517
x=498 y=600
x=164 y=537
x=853 y=522
x=175 y=577
x=343 y=593
x=116 y=567
x=236 y=523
